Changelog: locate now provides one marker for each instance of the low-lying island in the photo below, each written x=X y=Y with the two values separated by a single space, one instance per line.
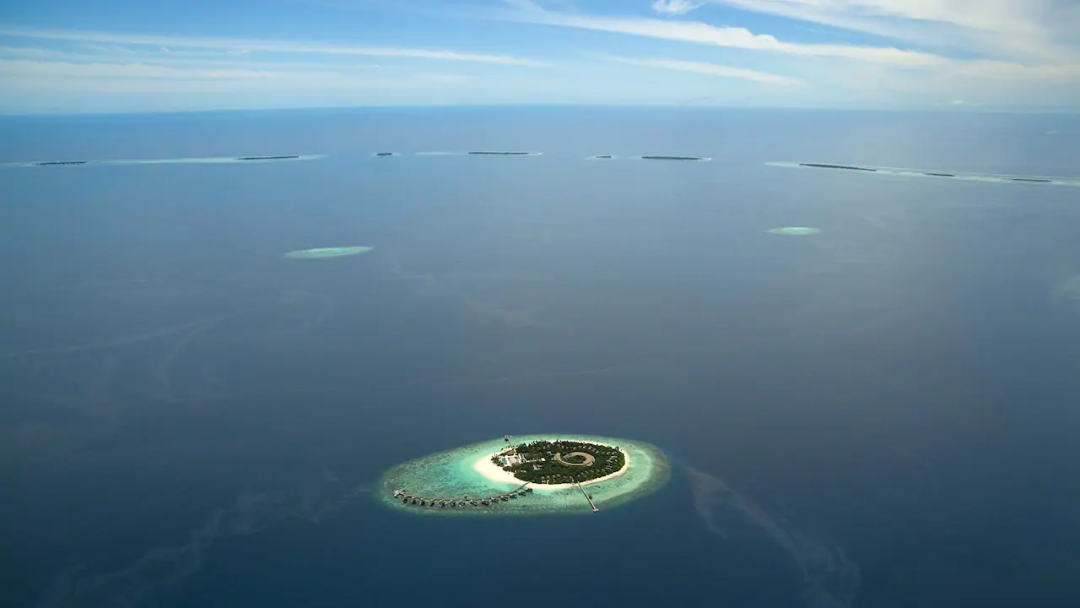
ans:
x=530 y=475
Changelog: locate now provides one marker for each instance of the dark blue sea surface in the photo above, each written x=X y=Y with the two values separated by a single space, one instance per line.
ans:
x=884 y=414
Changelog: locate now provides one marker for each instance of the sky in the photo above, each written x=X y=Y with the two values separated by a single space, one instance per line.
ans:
x=74 y=56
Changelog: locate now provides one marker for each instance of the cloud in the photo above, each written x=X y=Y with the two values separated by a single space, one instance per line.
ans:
x=710 y=69
x=169 y=43
x=675 y=7
x=844 y=73
x=106 y=55
x=1016 y=28
x=153 y=78
x=723 y=36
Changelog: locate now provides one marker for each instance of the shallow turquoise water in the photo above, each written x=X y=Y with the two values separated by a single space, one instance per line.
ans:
x=450 y=474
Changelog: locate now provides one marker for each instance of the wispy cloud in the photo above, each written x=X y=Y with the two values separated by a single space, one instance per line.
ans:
x=104 y=70
x=675 y=7
x=250 y=45
x=25 y=75
x=710 y=69
x=723 y=36
x=92 y=54
x=1022 y=28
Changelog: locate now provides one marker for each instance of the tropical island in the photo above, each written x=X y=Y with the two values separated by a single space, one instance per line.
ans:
x=560 y=461
x=955 y=176
x=831 y=166
x=531 y=475
x=285 y=157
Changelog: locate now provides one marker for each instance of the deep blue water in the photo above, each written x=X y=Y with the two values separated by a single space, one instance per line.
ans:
x=883 y=414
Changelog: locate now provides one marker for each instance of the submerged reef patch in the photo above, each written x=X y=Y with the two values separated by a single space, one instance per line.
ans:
x=463 y=481
x=794 y=231
x=322 y=253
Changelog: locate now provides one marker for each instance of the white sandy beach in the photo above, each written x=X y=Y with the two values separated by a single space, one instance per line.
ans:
x=493 y=472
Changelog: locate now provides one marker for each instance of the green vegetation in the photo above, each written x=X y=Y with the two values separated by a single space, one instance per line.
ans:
x=551 y=462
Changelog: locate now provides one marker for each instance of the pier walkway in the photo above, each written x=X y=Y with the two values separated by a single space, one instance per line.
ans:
x=588 y=498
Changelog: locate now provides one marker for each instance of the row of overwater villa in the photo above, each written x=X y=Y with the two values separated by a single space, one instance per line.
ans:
x=421 y=501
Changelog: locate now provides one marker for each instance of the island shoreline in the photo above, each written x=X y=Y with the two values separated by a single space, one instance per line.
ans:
x=492 y=472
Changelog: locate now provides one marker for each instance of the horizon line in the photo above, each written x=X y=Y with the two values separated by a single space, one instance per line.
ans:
x=942 y=108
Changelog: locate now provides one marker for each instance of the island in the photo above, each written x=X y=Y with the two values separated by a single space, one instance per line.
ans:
x=189 y=160
x=500 y=153
x=531 y=475
x=601 y=157
x=691 y=158
x=385 y=154
x=829 y=166
x=560 y=461
x=290 y=157
x=924 y=173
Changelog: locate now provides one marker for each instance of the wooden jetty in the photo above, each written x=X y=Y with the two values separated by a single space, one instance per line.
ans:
x=588 y=497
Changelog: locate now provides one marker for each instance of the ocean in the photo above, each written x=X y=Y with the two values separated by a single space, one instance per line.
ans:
x=879 y=414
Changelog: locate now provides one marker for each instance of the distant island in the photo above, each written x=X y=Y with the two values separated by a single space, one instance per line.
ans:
x=500 y=153
x=955 y=176
x=290 y=157
x=694 y=158
x=560 y=461
x=57 y=163
x=830 y=166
